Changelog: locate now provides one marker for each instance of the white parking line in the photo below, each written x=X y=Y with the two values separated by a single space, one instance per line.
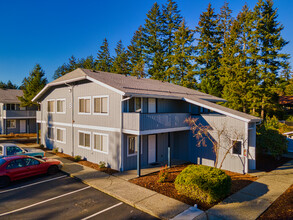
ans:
x=48 y=200
x=32 y=184
x=102 y=211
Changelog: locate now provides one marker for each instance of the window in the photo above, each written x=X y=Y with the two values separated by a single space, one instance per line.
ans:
x=84 y=140
x=138 y=104
x=1 y=150
x=237 y=147
x=13 y=150
x=51 y=106
x=51 y=133
x=11 y=123
x=85 y=105
x=60 y=105
x=101 y=105
x=15 y=164
x=10 y=106
x=31 y=162
x=134 y=105
x=101 y=142
x=60 y=135
x=131 y=149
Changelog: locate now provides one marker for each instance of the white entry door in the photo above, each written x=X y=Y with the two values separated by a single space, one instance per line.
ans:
x=151 y=148
x=22 y=126
x=151 y=105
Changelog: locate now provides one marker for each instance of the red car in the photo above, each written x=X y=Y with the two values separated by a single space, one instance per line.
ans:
x=19 y=167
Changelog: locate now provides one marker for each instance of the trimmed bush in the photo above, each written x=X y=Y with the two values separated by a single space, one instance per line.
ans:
x=42 y=146
x=207 y=184
x=77 y=158
x=163 y=174
x=102 y=164
x=55 y=150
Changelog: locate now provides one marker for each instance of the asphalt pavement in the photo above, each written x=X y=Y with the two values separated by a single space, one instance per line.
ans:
x=61 y=197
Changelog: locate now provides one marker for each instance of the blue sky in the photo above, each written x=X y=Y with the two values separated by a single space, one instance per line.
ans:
x=49 y=32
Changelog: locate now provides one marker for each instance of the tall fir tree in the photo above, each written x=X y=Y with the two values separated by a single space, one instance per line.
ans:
x=271 y=61
x=152 y=43
x=120 y=63
x=104 y=60
x=8 y=85
x=208 y=52
x=135 y=54
x=171 y=20
x=32 y=85
x=182 y=67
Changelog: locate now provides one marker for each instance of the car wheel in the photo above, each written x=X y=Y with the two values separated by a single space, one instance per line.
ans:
x=4 y=181
x=53 y=170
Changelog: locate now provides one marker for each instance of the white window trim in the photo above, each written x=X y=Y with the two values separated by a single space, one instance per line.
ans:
x=14 y=124
x=231 y=150
x=108 y=106
x=85 y=113
x=54 y=109
x=84 y=147
x=107 y=135
x=64 y=106
x=53 y=133
x=134 y=154
x=64 y=135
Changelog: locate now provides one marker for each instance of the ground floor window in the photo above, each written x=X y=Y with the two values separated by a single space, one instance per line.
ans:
x=84 y=139
x=11 y=123
x=60 y=135
x=236 y=147
x=131 y=146
x=101 y=142
x=51 y=133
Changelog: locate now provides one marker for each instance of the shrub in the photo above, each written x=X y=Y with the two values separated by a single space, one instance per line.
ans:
x=77 y=158
x=55 y=150
x=42 y=146
x=102 y=164
x=207 y=184
x=163 y=174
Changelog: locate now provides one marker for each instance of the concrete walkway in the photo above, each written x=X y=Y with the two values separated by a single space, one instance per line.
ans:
x=253 y=200
x=141 y=198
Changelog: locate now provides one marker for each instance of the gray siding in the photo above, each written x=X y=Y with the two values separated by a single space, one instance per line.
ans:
x=74 y=122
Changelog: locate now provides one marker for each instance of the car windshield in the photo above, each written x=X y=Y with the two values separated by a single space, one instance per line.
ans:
x=2 y=161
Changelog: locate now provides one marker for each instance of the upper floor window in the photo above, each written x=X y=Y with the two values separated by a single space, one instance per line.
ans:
x=11 y=123
x=60 y=105
x=51 y=107
x=135 y=105
x=10 y=106
x=101 y=105
x=236 y=147
x=85 y=105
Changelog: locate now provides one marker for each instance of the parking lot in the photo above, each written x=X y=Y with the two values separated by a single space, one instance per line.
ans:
x=61 y=197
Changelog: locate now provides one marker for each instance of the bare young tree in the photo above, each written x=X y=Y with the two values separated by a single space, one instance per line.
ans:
x=202 y=133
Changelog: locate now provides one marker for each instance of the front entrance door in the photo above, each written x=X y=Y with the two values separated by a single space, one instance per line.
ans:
x=22 y=126
x=151 y=148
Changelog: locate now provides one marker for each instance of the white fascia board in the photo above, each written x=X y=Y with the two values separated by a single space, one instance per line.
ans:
x=56 y=84
x=105 y=85
x=217 y=110
x=152 y=96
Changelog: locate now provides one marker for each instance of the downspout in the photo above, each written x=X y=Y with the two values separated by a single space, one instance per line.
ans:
x=72 y=118
x=121 y=133
x=246 y=149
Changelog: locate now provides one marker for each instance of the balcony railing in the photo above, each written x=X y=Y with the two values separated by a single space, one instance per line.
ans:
x=18 y=114
x=142 y=122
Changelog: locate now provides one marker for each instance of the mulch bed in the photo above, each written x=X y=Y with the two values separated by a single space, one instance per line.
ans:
x=167 y=188
x=32 y=135
x=267 y=163
x=85 y=163
x=282 y=208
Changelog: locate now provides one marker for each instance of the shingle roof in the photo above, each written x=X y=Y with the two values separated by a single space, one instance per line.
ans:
x=10 y=95
x=130 y=85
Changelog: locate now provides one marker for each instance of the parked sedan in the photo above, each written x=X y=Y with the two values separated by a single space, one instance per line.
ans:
x=19 y=167
x=9 y=149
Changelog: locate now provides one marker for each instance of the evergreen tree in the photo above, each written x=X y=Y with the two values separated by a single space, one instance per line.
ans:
x=8 y=85
x=208 y=53
x=104 y=61
x=135 y=54
x=182 y=57
x=171 y=20
x=270 y=60
x=152 y=43
x=32 y=85
x=120 y=63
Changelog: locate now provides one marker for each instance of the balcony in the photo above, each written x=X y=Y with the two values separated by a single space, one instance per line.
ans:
x=15 y=114
x=148 y=123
